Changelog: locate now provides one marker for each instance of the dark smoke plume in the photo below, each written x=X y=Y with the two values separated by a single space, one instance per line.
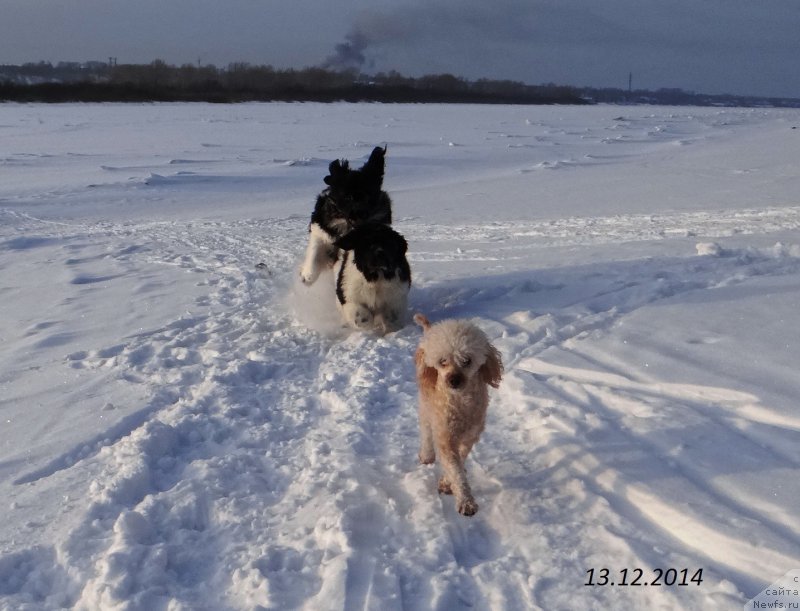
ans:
x=373 y=28
x=455 y=22
x=349 y=54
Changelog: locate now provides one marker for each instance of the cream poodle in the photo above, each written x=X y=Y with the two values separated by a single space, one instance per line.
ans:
x=455 y=366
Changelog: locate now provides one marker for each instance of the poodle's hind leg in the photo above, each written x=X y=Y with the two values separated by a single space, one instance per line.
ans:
x=464 y=450
x=427 y=454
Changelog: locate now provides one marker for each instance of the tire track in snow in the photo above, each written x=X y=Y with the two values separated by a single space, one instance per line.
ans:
x=146 y=503
x=209 y=469
x=602 y=301
x=508 y=241
x=614 y=458
x=218 y=447
x=359 y=442
x=377 y=514
x=562 y=468
x=169 y=352
x=266 y=420
x=580 y=413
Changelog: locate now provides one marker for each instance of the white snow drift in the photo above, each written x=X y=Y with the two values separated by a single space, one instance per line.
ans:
x=181 y=430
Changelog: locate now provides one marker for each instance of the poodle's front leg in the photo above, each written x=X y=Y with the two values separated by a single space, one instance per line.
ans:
x=427 y=454
x=456 y=476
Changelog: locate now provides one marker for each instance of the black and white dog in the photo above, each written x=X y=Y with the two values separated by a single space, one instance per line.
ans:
x=352 y=198
x=373 y=278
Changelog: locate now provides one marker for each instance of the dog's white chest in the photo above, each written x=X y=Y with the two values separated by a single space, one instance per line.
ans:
x=366 y=303
x=373 y=293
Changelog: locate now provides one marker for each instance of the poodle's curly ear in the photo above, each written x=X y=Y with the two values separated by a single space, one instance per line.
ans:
x=426 y=376
x=491 y=371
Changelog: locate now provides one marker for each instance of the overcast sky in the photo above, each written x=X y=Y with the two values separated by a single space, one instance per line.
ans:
x=711 y=46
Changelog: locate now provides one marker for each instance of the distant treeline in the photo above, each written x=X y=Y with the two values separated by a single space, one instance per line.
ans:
x=241 y=82
x=159 y=81
x=679 y=97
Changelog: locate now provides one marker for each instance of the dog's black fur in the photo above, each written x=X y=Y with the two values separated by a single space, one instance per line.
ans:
x=353 y=197
x=378 y=252
x=373 y=278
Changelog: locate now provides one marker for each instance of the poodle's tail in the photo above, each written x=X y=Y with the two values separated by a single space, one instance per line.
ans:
x=422 y=321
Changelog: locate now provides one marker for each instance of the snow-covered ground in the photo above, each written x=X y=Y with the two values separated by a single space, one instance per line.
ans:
x=182 y=430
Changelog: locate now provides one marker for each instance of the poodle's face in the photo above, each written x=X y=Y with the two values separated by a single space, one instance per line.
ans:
x=455 y=369
x=456 y=352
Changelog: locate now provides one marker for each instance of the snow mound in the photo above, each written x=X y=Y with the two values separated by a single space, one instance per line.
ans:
x=709 y=249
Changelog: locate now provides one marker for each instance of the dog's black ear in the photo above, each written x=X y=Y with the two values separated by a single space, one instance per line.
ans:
x=375 y=164
x=403 y=243
x=337 y=170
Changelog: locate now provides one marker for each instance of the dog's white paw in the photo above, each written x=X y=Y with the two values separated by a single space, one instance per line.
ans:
x=427 y=458
x=308 y=277
x=467 y=507
x=362 y=317
x=444 y=486
x=393 y=321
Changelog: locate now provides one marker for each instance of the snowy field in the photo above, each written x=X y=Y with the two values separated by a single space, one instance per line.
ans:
x=181 y=430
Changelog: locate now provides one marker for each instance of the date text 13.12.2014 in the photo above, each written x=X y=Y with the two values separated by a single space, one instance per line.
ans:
x=640 y=577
